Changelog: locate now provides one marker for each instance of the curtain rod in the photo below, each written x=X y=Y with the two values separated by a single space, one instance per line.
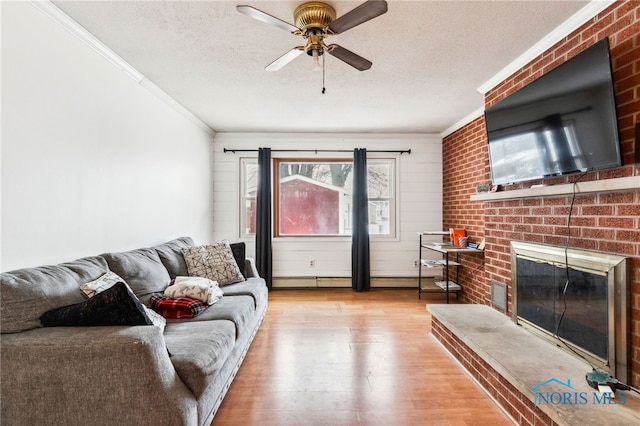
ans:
x=406 y=151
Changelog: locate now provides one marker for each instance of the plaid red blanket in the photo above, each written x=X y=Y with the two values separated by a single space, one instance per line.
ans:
x=182 y=307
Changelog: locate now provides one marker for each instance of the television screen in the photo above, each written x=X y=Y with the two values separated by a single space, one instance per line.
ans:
x=563 y=122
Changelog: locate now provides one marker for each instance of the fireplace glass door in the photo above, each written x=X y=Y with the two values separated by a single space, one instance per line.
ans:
x=579 y=317
x=593 y=316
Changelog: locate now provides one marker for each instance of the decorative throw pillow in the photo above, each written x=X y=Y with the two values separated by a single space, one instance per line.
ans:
x=114 y=306
x=110 y=279
x=195 y=287
x=239 y=254
x=214 y=262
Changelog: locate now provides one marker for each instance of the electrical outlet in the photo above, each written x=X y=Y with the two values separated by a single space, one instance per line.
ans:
x=415 y=263
x=312 y=264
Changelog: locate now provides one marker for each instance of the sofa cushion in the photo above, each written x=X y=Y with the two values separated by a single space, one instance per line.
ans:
x=28 y=293
x=254 y=287
x=114 y=306
x=142 y=270
x=170 y=254
x=215 y=262
x=240 y=310
x=199 y=349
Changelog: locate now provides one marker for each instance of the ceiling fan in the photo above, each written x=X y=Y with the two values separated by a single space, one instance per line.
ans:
x=315 y=21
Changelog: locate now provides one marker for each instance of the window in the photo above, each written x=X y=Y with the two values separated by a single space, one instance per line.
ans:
x=313 y=197
x=381 y=190
x=248 y=189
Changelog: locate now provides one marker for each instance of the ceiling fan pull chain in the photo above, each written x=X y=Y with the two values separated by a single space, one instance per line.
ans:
x=323 y=89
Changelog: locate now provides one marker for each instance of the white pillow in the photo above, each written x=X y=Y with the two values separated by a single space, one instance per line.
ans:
x=103 y=283
x=195 y=287
x=110 y=279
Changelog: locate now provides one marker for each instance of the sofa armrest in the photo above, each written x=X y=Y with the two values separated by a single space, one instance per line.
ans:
x=92 y=375
x=252 y=271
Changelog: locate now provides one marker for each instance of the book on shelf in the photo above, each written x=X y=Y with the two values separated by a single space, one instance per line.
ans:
x=453 y=286
x=456 y=233
x=431 y=263
x=443 y=243
x=438 y=263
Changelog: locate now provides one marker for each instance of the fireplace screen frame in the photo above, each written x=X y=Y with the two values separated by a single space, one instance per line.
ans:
x=615 y=268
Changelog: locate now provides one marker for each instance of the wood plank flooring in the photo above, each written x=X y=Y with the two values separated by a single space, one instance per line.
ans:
x=338 y=357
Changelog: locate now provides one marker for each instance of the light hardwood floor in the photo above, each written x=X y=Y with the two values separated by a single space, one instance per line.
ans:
x=338 y=357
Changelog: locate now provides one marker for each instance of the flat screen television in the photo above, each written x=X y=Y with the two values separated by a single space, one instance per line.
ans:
x=563 y=122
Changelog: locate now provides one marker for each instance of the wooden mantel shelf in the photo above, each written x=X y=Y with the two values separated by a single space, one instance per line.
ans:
x=605 y=185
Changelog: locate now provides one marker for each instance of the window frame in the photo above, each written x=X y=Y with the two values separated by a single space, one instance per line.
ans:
x=244 y=197
x=393 y=196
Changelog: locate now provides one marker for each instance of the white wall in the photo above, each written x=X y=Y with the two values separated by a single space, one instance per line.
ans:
x=419 y=208
x=91 y=160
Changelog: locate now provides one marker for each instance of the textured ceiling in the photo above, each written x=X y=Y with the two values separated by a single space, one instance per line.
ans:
x=429 y=58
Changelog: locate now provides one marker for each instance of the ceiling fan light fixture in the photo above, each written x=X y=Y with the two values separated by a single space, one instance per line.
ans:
x=316 y=21
x=316 y=60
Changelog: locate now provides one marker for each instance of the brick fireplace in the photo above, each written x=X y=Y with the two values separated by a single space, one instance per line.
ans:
x=524 y=373
x=606 y=220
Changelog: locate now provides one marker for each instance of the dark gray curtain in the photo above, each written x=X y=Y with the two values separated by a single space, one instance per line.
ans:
x=360 y=268
x=263 y=216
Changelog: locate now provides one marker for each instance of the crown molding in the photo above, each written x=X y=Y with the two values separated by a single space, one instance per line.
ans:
x=463 y=122
x=177 y=106
x=86 y=37
x=61 y=18
x=574 y=22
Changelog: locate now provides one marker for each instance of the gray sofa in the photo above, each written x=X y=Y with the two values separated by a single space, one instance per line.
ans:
x=120 y=375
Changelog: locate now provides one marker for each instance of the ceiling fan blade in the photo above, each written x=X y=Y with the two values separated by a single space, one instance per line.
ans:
x=265 y=17
x=361 y=14
x=356 y=61
x=285 y=59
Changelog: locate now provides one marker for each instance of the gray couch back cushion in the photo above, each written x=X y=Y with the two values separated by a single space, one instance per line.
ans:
x=142 y=270
x=171 y=256
x=28 y=293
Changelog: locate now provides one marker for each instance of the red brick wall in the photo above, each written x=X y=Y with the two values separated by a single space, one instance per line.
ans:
x=608 y=222
x=465 y=162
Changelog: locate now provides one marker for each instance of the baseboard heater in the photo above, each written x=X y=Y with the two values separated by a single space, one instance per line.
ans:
x=342 y=282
